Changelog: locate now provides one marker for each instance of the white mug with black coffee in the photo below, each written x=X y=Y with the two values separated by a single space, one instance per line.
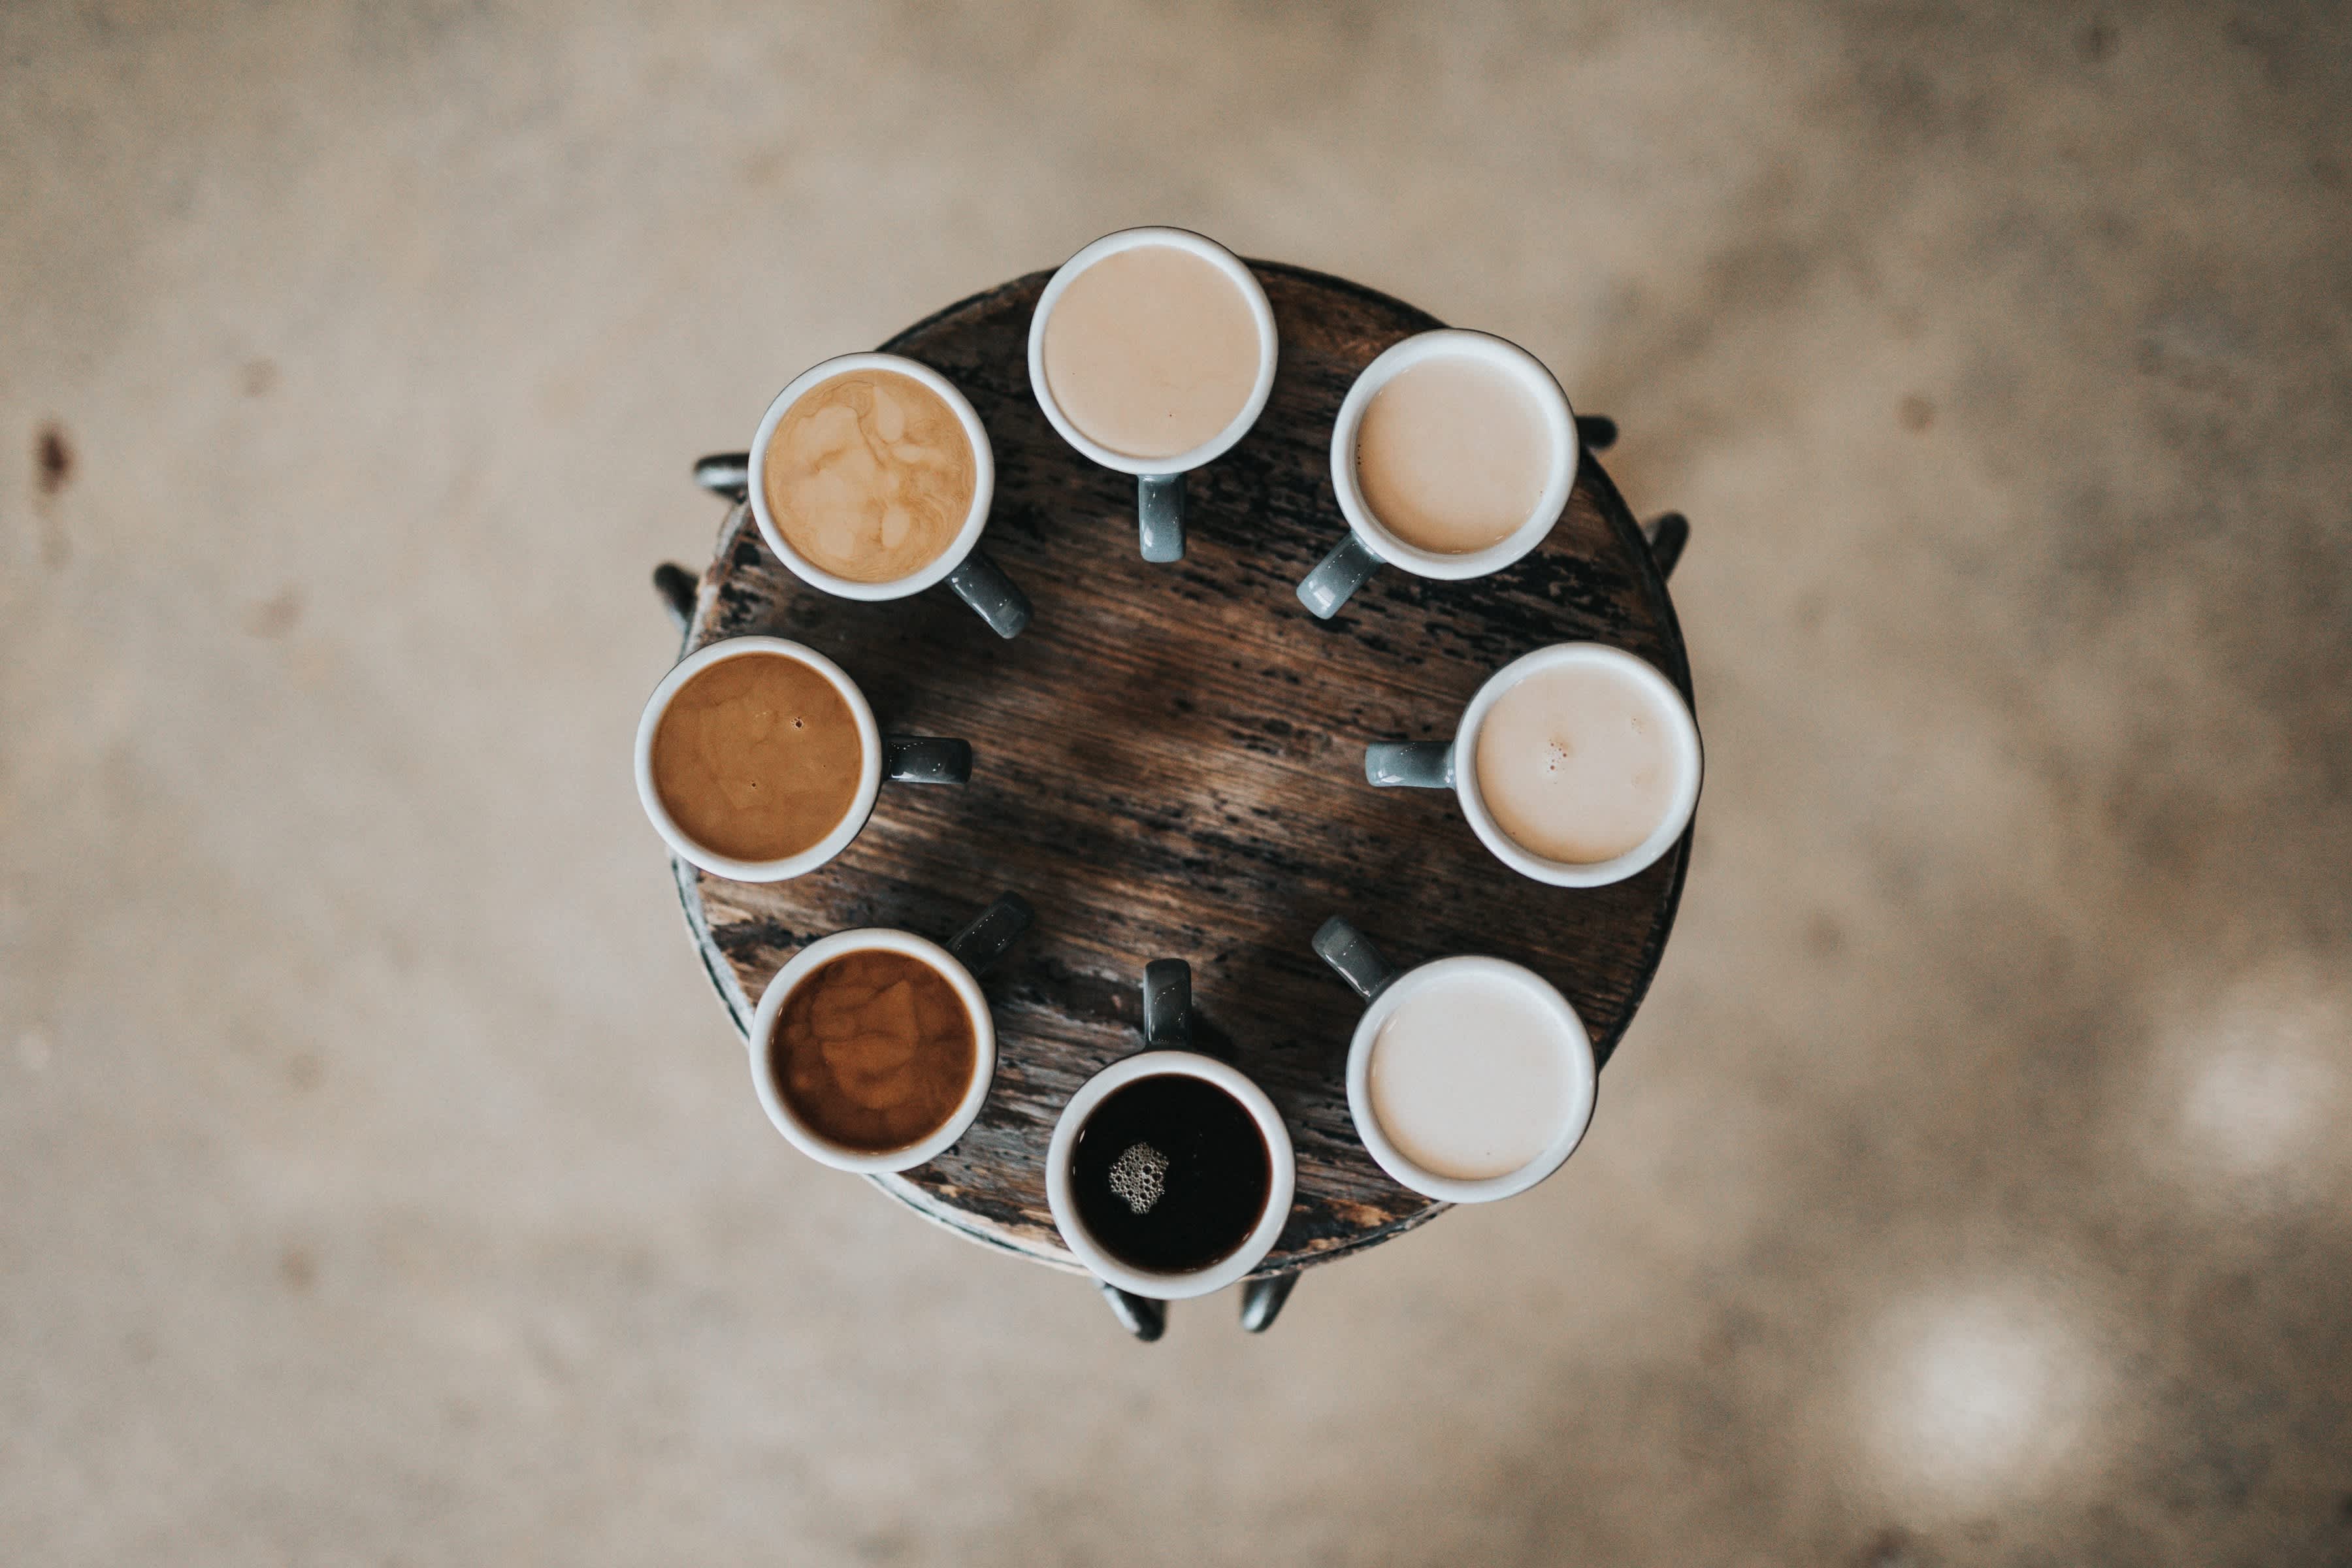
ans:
x=1170 y=1173
x=1470 y=1079
x=871 y=477
x=1453 y=456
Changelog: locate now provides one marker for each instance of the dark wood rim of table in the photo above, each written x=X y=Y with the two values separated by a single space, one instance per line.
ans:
x=745 y=590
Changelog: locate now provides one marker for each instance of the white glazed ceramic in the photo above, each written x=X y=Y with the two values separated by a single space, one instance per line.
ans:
x=869 y=772
x=1683 y=744
x=824 y=951
x=1227 y=262
x=1584 y=1081
x=1143 y=1282
x=984 y=489
x=1551 y=402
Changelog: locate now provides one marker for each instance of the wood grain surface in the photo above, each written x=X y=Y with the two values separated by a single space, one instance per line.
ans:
x=1170 y=765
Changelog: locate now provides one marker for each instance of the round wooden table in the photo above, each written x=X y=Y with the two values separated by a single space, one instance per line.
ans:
x=1170 y=765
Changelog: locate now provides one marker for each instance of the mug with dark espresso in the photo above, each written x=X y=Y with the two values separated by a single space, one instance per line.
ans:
x=760 y=760
x=873 y=1049
x=1170 y=1173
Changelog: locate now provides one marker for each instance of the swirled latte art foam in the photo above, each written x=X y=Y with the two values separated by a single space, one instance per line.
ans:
x=870 y=476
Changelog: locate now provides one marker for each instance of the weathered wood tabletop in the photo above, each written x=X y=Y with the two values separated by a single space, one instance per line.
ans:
x=1170 y=765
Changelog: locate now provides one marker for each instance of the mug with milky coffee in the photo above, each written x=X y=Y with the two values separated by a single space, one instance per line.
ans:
x=1170 y=1173
x=873 y=1049
x=1152 y=350
x=1578 y=765
x=1469 y=1079
x=1452 y=457
x=871 y=477
x=759 y=758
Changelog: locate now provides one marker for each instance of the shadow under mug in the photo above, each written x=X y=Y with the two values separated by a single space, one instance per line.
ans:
x=1453 y=764
x=965 y=567
x=1159 y=481
x=902 y=759
x=1167 y=1049
x=1384 y=989
x=967 y=955
x=1370 y=543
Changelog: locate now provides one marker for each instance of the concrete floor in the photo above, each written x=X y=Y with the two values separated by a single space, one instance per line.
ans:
x=382 y=1181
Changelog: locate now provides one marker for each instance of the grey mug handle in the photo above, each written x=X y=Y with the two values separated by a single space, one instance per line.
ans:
x=1352 y=956
x=926 y=759
x=1160 y=516
x=993 y=597
x=1412 y=764
x=980 y=944
x=1336 y=575
x=1167 y=1004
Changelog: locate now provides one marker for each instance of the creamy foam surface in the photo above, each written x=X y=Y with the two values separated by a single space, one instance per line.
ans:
x=1470 y=1077
x=1151 y=351
x=757 y=757
x=1577 y=762
x=870 y=476
x=1452 y=454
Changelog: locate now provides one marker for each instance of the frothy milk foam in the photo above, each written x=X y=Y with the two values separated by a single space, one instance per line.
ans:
x=1452 y=455
x=1151 y=351
x=870 y=476
x=1469 y=1076
x=1575 y=762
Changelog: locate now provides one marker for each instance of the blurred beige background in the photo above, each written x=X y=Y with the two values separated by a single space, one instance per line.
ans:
x=382 y=1181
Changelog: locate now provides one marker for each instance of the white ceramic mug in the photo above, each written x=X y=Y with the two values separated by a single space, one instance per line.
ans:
x=1453 y=764
x=1370 y=543
x=1159 y=481
x=967 y=954
x=965 y=568
x=905 y=759
x=1166 y=1019
x=1385 y=989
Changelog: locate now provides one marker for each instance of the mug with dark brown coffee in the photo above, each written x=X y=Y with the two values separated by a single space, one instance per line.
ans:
x=759 y=758
x=1170 y=1173
x=873 y=1049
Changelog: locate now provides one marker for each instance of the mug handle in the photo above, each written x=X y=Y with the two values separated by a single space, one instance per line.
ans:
x=1168 y=1004
x=926 y=759
x=1336 y=576
x=1412 y=764
x=1160 y=516
x=1352 y=956
x=995 y=597
x=980 y=944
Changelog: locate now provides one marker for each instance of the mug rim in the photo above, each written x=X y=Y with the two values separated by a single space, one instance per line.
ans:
x=1584 y=1090
x=1260 y=311
x=1690 y=755
x=983 y=478
x=1552 y=402
x=870 y=938
x=869 y=769
x=1280 y=1190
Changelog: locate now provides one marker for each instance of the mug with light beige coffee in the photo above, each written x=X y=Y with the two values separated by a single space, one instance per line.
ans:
x=1469 y=1079
x=1452 y=457
x=1152 y=350
x=1578 y=765
x=760 y=760
x=871 y=479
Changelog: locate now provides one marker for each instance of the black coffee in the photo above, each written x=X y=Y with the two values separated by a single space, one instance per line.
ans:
x=1170 y=1174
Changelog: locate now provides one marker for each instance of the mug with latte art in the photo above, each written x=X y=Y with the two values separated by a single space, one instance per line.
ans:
x=871 y=477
